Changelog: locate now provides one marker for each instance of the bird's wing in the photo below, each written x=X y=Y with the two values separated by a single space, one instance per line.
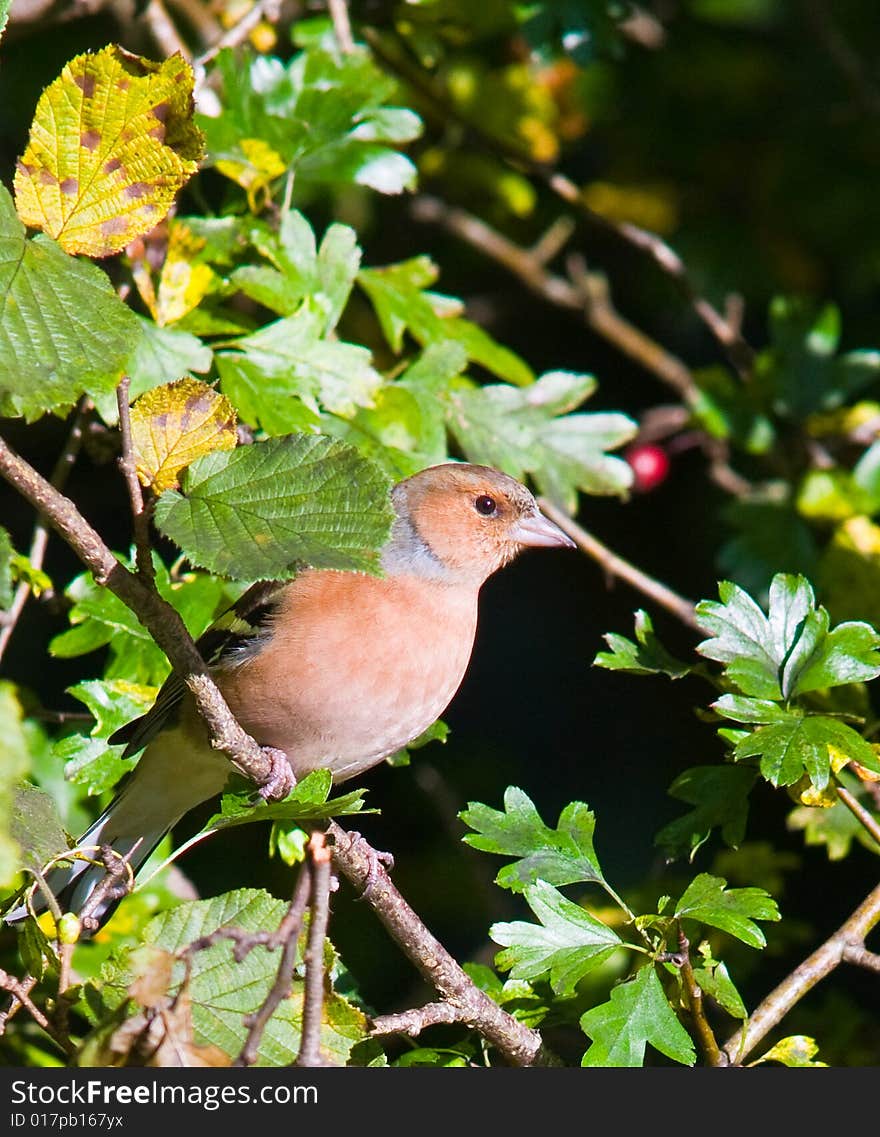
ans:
x=239 y=626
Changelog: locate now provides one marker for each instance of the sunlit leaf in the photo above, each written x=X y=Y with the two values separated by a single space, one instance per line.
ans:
x=111 y=145
x=636 y=1015
x=733 y=910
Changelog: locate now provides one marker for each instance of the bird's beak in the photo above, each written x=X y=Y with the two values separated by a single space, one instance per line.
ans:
x=536 y=529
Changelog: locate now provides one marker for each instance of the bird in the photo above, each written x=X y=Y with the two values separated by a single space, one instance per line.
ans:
x=335 y=669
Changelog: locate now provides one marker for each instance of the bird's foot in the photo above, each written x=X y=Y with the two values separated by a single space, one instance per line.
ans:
x=280 y=780
x=375 y=858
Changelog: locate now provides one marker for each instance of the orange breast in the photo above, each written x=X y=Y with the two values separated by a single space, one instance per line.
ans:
x=356 y=668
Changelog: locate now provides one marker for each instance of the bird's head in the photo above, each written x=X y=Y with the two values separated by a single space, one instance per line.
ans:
x=463 y=522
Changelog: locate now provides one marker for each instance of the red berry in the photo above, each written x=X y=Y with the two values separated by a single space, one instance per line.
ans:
x=649 y=464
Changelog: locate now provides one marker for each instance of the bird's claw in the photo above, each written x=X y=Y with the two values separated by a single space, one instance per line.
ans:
x=280 y=779
x=375 y=857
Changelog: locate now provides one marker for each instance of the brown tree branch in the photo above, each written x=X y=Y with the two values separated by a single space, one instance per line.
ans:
x=414 y=1021
x=715 y=1056
x=128 y=466
x=616 y=566
x=159 y=618
x=846 y=941
x=518 y=1045
x=319 y=912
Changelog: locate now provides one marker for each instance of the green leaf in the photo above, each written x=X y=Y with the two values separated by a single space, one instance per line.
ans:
x=564 y=855
x=769 y=535
x=63 y=330
x=36 y=826
x=568 y=944
x=530 y=431
x=733 y=910
x=804 y=745
x=728 y=409
x=309 y=800
x=5 y=5
x=89 y=759
x=322 y=115
x=257 y=512
x=225 y=991
x=397 y=293
x=14 y=764
x=636 y=1015
x=300 y=271
x=791 y=650
x=645 y=657
x=296 y=359
x=720 y=795
x=717 y=984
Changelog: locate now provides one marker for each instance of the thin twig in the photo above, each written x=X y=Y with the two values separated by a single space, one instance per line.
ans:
x=20 y=991
x=616 y=566
x=858 y=811
x=850 y=935
x=319 y=914
x=338 y=10
x=128 y=466
x=288 y=936
x=40 y=538
x=413 y=1022
x=517 y=1044
x=164 y=30
x=715 y=1056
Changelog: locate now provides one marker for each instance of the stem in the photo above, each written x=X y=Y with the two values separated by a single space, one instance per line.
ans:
x=128 y=466
x=338 y=10
x=715 y=1056
x=616 y=566
x=858 y=810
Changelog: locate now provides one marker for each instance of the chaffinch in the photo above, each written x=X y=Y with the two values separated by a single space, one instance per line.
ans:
x=335 y=669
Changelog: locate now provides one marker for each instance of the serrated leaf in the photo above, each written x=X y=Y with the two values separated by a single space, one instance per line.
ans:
x=111 y=144
x=173 y=425
x=720 y=795
x=224 y=992
x=636 y=1015
x=797 y=1050
x=89 y=759
x=733 y=910
x=647 y=656
x=568 y=944
x=321 y=115
x=530 y=431
x=804 y=745
x=256 y=512
x=397 y=292
x=564 y=855
x=789 y=651
x=309 y=800
x=63 y=330
x=36 y=826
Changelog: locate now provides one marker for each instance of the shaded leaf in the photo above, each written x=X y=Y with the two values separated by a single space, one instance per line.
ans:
x=111 y=145
x=173 y=425
x=647 y=656
x=14 y=764
x=733 y=910
x=836 y=827
x=804 y=744
x=36 y=826
x=637 y=1014
x=256 y=512
x=717 y=984
x=564 y=855
x=720 y=795
x=568 y=944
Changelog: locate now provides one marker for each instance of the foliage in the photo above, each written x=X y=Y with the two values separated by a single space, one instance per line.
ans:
x=222 y=246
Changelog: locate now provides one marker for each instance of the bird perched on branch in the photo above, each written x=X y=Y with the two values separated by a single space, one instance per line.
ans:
x=334 y=669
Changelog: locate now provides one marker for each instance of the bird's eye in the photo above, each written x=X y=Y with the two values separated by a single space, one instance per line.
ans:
x=486 y=505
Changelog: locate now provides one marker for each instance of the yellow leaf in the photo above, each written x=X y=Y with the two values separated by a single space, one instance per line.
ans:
x=255 y=176
x=796 y=1050
x=173 y=425
x=111 y=144
x=184 y=281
